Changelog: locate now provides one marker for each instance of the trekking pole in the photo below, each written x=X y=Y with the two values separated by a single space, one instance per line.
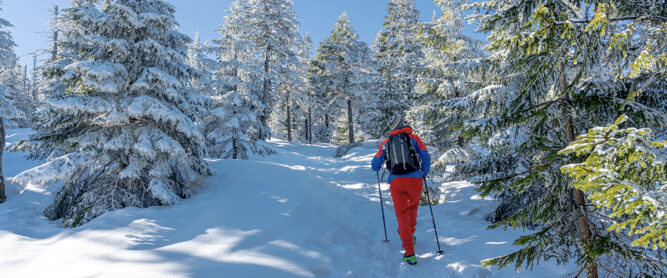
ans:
x=382 y=206
x=432 y=218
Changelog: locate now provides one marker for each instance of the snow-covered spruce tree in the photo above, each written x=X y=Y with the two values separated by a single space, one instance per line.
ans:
x=38 y=83
x=296 y=91
x=272 y=27
x=8 y=94
x=343 y=69
x=501 y=156
x=625 y=173
x=118 y=128
x=15 y=104
x=290 y=95
x=399 y=56
x=12 y=77
x=558 y=80
x=322 y=120
x=454 y=71
x=305 y=107
x=629 y=162
x=197 y=58
x=233 y=127
x=201 y=81
x=637 y=50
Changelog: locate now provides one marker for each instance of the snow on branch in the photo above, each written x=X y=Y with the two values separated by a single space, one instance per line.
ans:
x=103 y=77
x=145 y=106
x=57 y=169
x=80 y=104
x=622 y=18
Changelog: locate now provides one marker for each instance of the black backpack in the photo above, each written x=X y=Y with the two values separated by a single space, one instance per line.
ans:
x=401 y=156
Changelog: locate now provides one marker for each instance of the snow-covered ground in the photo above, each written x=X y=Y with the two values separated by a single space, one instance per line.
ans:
x=301 y=213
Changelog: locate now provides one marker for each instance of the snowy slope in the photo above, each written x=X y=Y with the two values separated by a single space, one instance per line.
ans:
x=301 y=213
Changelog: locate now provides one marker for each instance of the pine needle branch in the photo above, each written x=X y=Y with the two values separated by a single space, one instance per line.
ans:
x=623 y=18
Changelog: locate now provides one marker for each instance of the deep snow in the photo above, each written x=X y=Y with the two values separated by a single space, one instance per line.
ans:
x=301 y=213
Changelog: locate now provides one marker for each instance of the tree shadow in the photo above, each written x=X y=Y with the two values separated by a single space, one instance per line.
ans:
x=219 y=251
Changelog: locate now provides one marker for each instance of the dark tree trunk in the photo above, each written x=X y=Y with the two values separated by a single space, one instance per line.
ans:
x=25 y=80
x=235 y=148
x=2 y=177
x=265 y=93
x=326 y=122
x=583 y=224
x=235 y=73
x=289 y=120
x=55 y=34
x=235 y=143
x=350 y=122
x=310 y=125
x=327 y=126
x=457 y=94
x=33 y=91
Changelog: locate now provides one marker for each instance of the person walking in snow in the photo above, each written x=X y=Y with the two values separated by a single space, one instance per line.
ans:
x=408 y=162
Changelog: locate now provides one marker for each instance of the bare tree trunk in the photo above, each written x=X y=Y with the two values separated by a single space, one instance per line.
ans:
x=33 y=90
x=2 y=177
x=235 y=142
x=265 y=93
x=310 y=125
x=350 y=122
x=326 y=125
x=579 y=197
x=235 y=148
x=25 y=80
x=457 y=94
x=289 y=120
x=235 y=72
x=55 y=33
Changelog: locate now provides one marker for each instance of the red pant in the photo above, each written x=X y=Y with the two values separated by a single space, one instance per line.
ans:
x=405 y=192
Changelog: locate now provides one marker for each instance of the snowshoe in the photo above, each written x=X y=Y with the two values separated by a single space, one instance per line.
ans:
x=411 y=260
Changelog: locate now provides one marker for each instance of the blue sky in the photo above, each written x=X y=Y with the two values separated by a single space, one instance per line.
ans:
x=30 y=18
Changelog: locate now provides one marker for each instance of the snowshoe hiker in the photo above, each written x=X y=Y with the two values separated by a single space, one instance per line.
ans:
x=408 y=162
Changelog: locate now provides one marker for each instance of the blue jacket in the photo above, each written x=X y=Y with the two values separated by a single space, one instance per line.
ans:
x=417 y=144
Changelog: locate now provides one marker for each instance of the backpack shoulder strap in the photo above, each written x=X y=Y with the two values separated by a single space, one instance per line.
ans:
x=388 y=145
x=419 y=142
x=383 y=146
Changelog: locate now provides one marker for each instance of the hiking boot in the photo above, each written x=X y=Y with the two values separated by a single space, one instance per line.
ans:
x=411 y=260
